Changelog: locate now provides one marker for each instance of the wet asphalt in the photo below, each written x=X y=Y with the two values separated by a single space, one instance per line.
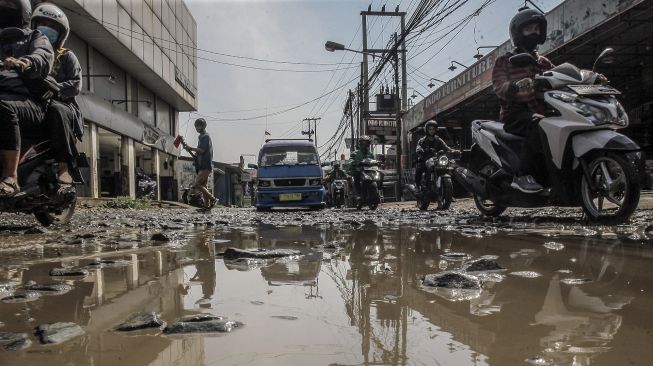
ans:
x=353 y=289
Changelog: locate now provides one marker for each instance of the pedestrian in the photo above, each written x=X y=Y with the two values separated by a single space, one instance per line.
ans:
x=203 y=163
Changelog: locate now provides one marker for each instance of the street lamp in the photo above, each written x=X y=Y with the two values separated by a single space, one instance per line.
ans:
x=415 y=95
x=121 y=101
x=453 y=67
x=434 y=79
x=111 y=78
x=478 y=54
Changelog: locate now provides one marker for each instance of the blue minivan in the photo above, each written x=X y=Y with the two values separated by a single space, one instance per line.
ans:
x=289 y=175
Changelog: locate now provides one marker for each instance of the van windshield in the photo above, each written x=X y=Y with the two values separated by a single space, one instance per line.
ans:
x=288 y=155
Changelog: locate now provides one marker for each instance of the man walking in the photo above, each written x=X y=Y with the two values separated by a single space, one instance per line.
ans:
x=203 y=155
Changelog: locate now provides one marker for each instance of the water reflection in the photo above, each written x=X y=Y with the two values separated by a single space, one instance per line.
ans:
x=352 y=297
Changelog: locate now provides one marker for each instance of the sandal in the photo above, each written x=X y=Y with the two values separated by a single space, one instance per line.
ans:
x=8 y=187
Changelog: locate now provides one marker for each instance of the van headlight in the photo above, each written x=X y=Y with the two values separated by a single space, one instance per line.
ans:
x=264 y=183
x=315 y=182
x=443 y=161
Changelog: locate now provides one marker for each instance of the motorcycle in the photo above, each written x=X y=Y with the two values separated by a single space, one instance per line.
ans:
x=41 y=194
x=436 y=183
x=371 y=179
x=589 y=163
x=146 y=186
x=339 y=191
x=193 y=197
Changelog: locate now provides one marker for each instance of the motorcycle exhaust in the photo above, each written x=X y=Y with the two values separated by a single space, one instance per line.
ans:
x=472 y=182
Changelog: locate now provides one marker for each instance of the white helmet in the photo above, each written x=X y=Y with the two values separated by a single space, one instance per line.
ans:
x=50 y=14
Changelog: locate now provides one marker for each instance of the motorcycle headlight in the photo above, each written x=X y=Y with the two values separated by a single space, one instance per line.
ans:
x=264 y=183
x=443 y=161
x=595 y=114
x=315 y=182
x=622 y=116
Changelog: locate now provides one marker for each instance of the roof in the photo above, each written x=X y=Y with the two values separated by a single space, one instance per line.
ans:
x=288 y=142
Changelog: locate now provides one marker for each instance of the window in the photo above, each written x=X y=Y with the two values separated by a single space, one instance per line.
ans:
x=288 y=155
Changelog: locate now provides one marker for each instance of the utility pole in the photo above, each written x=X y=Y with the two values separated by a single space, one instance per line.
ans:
x=311 y=131
x=398 y=148
x=401 y=102
x=351 y=120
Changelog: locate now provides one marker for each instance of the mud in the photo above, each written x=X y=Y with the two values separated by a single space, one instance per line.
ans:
x=350 y=293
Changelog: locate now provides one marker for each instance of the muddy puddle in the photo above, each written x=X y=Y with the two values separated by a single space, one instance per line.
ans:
x=340 y=297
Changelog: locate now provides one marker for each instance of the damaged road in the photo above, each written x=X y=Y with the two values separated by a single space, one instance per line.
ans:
x=133 y=284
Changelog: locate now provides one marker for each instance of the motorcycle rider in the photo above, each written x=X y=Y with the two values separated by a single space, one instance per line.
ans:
x=427 y=147
x=336 y=173
x=364 y=152
x=28 y=58
x=513 y=84
x=64 y=118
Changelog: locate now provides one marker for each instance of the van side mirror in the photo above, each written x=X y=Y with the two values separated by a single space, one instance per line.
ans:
x=252 y=166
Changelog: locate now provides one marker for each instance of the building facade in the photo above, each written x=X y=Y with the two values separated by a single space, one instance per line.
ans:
x=139 y=61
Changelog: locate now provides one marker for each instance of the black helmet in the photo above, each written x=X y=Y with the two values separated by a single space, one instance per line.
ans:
x=430 y=123
x=524 y=17
x=15 y=13
x=200 y=122
x=51 y=14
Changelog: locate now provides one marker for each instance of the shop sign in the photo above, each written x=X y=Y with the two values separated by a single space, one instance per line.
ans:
x=184 y=82
x=382 y=126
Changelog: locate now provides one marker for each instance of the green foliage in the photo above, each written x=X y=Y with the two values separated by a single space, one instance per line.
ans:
x=125 y=202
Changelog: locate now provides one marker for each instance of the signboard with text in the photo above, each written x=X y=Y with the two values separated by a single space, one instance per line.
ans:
x=381 y=126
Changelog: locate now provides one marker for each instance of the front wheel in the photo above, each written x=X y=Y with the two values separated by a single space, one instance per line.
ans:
x=486 y=205
x=614 y=192
x=446 y=193
x=373 y=196
x=424 y=201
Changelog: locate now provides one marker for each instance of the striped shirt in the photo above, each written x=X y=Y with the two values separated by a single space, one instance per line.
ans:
x=504 y=76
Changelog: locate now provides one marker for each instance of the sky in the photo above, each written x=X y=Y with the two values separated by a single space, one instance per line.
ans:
x=304 y=80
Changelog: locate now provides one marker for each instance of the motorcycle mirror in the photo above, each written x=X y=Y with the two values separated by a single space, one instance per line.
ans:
x=605 y=57
x=522 y=59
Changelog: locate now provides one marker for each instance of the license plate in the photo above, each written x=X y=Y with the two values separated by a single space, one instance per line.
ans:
x=290 y=197
x=594 y=90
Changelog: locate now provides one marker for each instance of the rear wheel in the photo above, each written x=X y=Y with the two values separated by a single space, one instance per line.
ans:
x=62 y=217
x=424 y=201
x=486 y=205
x=616 y=189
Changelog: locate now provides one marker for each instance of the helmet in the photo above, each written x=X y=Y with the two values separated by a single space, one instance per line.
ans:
x=431 y=123
x=50 y=14
x=200 y=122
x=524 y=17
x=15 y=13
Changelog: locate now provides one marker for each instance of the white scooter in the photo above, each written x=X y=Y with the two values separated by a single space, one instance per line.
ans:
x=588 y=163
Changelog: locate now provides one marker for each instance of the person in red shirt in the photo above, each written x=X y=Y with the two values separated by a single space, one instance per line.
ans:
x=520 y=110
